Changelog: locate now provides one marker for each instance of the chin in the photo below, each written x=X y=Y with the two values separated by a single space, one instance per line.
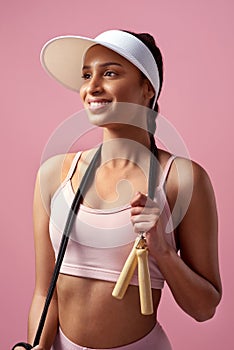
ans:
x=103 y=117
x=98 y=119
x=114 y=114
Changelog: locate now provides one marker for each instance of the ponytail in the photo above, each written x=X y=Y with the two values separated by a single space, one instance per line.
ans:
x=149 y=41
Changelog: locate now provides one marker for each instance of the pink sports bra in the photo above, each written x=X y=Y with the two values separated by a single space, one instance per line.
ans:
x=101 y=239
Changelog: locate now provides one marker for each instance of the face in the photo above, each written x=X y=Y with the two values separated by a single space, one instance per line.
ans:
x=108 y=79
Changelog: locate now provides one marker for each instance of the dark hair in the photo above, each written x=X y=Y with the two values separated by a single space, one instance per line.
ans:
x=149 y=41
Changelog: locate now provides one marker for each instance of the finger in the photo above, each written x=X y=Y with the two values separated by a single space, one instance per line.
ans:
x=140 y=227
x=145 y=211
x=139 y=199
x=136 y=211
x=144 y=218
x=143 y=200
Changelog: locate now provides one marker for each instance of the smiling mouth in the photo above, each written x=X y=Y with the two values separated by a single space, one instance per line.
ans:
x=98 y=105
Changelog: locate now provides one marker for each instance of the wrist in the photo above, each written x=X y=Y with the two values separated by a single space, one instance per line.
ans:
x=163 y=253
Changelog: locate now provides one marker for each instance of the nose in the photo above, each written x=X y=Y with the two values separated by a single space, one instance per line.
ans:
x=94 y=85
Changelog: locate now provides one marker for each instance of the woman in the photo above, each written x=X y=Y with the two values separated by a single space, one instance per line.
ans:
x=121 y=78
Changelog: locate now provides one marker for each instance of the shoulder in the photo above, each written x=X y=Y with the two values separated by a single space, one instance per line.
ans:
x=183 y=172
x=53 y=172
x=188 y=185
x=59 y=164
x=188 y=174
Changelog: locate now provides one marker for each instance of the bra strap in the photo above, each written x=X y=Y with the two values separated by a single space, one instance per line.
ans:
x=73 y=166
x=166 y=171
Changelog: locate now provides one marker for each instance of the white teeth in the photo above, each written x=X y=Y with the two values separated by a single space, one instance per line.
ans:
x=98 y=104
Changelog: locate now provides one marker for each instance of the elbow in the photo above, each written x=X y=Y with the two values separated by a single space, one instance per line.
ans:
x=208 y=310
x=205 y=315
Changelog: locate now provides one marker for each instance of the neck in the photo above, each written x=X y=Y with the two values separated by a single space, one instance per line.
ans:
x=128 y=145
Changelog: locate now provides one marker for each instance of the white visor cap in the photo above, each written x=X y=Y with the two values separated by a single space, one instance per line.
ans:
x=62 y=57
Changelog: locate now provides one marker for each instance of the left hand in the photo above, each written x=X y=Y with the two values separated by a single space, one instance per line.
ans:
x=145 y=217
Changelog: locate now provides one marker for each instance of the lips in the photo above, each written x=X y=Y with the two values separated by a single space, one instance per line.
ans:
x=95 y=105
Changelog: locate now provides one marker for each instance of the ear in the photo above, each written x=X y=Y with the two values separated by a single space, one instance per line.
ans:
x=148 y=90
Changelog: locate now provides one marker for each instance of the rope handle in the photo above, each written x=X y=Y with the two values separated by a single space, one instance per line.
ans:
x=126 y=274
x=138 y=255
x=146 y=300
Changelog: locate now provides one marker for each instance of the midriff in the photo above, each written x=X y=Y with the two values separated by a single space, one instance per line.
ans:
x=90 y=316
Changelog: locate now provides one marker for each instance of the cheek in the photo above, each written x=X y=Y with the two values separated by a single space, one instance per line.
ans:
x=126 y=92
x=82 y=92
x=133 y=93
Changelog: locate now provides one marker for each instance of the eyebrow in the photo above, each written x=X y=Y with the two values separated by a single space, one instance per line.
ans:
x=106 y=64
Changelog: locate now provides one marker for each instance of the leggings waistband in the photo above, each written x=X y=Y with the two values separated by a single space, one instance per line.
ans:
x=156 y=339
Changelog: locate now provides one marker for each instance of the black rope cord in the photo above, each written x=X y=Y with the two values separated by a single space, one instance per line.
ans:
x=153 y=171
x=63 y=245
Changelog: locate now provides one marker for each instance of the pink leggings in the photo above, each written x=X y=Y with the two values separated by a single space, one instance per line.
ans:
x=155 y=340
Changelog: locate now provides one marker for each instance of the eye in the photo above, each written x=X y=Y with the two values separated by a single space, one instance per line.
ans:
x=86 y=76
x=110 y=73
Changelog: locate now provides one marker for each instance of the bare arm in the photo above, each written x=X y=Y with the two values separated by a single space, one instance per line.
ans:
x=47 y=181
x=193 y=277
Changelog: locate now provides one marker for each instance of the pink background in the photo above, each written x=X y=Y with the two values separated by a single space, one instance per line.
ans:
x=196 y=38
